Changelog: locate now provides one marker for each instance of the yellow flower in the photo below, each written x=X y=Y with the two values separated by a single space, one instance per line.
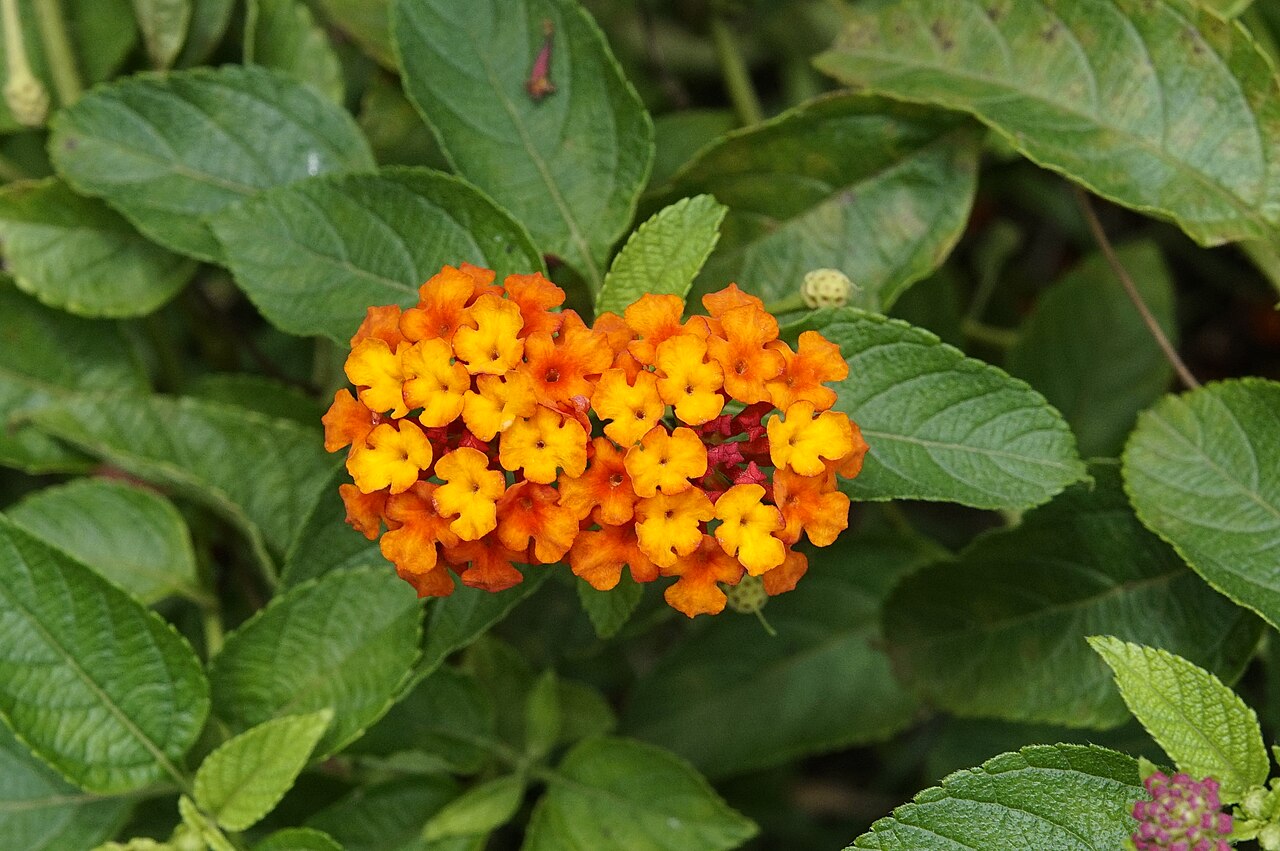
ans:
x=470 y=490
x=375 y=369
x=667 y=527
x=542 y=443
x=390 y=457
x=634 y=409
x=800 y=440
x=747 y=526
x=665 y=462
x=434 y=382
x=497 y=402
x=493 y=347
x=687 y=380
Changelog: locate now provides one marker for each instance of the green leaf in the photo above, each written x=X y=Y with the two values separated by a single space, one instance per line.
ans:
x=999 y=632
x=209 y=22
x=368 y=22
x=1077 y=797
x=878 y=190
x=47 y=356
x=133 y=537
x=39 y=811
x=1173 y=113
x=1204 y=727
x=202 y=827
x=942 y=426
x=262 y=474
x=1086 y=348
x=542 y=716
x=267 y=396
x=394 y=128
x=325 y=543
x=568 y=166
x=164 y=28
x=679 y=136
x=282 y=34
x=346 y=641
x=1203 y=471
x=664 y=254
x=246 y=777
x=298 y=839
x=619 y=793
x=1227 y=8
x=386 y=816
x=315 y=255
x=584 y=712
x=478 y=810
x=820 y=685
x=169 y=151
x=610 y=610
x=100 y=688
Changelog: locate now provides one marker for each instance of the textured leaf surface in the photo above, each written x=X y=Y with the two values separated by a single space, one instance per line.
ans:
x=298 y=839
x=133 y=537
x=942 y=426
x=1203 y=471
x=568 y=166
x=1086 y=348
x=620 y=793
x=1065 y=797
x=664 y=254
x=78 y=254
x=1000 y=632
x=479 y=810
x=346 y=642
x=282 y=34
x=325 y=542
x=821 y=684
x=878 y=190
x=386 y=816
x=246 y=777
x=169 y=151
x=313 y=256
x=1155 y=105
x=267 y=396
x=102 y=689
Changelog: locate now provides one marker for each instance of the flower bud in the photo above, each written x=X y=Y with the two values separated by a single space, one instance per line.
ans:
x=826 y=288
x=1269 y=838
x=748 y=596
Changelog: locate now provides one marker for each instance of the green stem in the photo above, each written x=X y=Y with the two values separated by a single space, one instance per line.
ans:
x=1001 y=338
x=213 y=632
x=768 y=627
x=58 y=52
x=736 y=76
x=787 y=304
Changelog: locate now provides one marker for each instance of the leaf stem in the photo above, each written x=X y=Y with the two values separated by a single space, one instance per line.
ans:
x=1099 y=235
x=1001 y=338
x=736 y=76
x=58 y=52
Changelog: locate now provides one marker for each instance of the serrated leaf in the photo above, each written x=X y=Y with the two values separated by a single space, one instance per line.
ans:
x=282 y=34
x=262 y=474
x=664 y=254
x=610 y=610
x=478 y=810
x=202 y=827
x=100 y=688
x=47 y=356
x=1076 y=797
x=325 y=543
x=999 y=632
x=1204 y=727
x=1203 y=471
x=315 y=255
x=79 y=255
x=246 y=777
x=605 y=794
x=298 y=839
x=164 y=28
x=1174 y=112
x=169 y=151
x=821 y=684
x=133 y=537
x=1086 y=348
x=386 y=816
x=942 y=426
x=267 y=396
x=570 y=165
x=878 y=190
x=346 y=641
x=368 y=22
x=39 y=811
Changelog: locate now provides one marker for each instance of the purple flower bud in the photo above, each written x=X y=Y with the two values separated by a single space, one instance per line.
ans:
x=1183 y=815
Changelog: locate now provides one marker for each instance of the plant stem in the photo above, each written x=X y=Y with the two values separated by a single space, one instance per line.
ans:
x=1099 y=235
x=736 y=76
x=58 y=52
x=1001 y=338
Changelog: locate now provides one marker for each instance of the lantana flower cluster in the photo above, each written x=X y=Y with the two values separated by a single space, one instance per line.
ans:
x=1184 y=814
x=489 y=429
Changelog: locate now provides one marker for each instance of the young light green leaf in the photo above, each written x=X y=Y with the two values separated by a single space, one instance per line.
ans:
x=1203 y=471
x=368 y=22
x=1204 y=727
x=282 y=34
x=79 y=255
x=1086 y=348
x=1044 y=796
x=664 y=254
x=298 y=839
x=942 y=426
x=346 y=641
x=479 y=810
x=604 y=794
x=164 y=28
x=542 y=716
x=999 y=631
x=202 y=827
x=610 y=610
x=1176 y=115
x=314 y=255
x=169 y=151
x=878 y=190
x=246 y=777
x=133 y=537
x=570 y=164
x=100 y=688
x=385 y=816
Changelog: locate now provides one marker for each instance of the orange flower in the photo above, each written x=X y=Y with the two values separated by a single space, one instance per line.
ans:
x=382 y=323
x=598 y=557
x=530 y=512
x=800 y=440
x=542 y=443
x=411 y=546
x=434 y=382
x=493 y=346
x=666 y=462
x=784 y=577
x=810 y=504
x=805 y=371
x=697 y=591
x=688 y=381
x=497 y=403
x=561 y=368
x=604 y=490
x=391 y=457
x=742 y=353
x=537 y=298
x=374 y=368
x=442 y=304
x=851 y=465
x=364 y=510
x=433 y=583
x=489 y=567
x=470 y=491
x=633 y=408
x=653 y=319
x=721 y=302
x=346 y=422
x=667 y=527
x=747 y=526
